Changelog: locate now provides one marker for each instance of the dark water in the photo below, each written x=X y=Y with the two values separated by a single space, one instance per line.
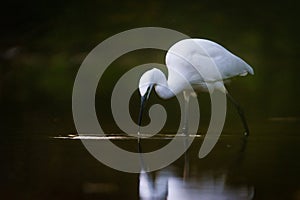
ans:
x=43 y=43
x=262 y=167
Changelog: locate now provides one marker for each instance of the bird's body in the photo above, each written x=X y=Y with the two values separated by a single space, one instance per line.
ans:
x=186 y=59
x=199 y=63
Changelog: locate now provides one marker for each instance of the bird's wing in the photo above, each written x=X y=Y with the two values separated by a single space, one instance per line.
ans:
x=200 y=60
x=228 y=64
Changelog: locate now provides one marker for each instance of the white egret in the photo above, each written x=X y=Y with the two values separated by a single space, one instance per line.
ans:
x=200 y=63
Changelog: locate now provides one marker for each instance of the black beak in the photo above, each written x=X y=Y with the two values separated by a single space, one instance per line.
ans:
x=143 y=103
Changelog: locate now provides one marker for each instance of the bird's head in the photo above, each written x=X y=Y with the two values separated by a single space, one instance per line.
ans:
x=148 y=81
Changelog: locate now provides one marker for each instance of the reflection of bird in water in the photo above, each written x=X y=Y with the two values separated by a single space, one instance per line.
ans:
x=199 y=63
x=208 y=186
x=150 y=188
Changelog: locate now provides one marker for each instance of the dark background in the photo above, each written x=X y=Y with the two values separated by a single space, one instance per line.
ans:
x=42 y=44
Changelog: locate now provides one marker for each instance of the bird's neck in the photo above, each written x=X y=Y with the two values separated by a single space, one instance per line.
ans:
x=162 y=88
x=163 y=91
x=168 y=89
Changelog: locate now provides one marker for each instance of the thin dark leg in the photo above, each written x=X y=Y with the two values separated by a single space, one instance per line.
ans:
x=240 y=112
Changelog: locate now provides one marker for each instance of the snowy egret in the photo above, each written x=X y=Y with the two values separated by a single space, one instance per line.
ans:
x=194 y=62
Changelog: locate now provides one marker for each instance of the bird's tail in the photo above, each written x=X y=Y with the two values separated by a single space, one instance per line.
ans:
x=249 y=69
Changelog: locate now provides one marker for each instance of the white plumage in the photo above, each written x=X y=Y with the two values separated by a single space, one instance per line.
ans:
x=200 y=63
x=186 y=59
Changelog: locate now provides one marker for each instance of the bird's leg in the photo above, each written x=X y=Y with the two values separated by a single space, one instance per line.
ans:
x=185 y=128
x=240 y=112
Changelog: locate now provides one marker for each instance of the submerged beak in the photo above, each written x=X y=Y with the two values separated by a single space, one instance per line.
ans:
x=143 y=102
